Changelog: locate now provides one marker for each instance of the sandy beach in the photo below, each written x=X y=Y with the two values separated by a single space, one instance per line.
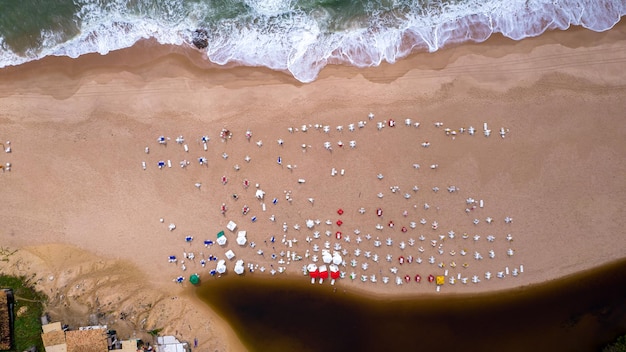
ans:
x=90 y=225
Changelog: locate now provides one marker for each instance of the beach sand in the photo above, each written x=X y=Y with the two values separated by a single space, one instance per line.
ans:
x=81 y=217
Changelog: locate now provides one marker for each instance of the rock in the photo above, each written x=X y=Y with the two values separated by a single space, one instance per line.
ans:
x=200 y=38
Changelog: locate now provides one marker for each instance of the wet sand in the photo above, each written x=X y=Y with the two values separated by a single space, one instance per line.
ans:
x=78 y=205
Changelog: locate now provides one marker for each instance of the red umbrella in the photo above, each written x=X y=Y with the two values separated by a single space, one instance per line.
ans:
x=314 y=275
x=431 y=278
x=407 y=278
x=418 y=278
x=338 y=235
x=390 y=223
x=340 y=211
x=334 y=274
x=404 y=229
x=323 y=273
x=339 y=222
x=401 y=260
x=392 y=122
x=379 y=212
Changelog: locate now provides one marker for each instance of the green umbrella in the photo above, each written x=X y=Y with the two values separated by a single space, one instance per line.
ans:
x=194 y=279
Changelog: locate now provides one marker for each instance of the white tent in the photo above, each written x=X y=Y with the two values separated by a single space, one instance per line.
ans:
x=231 y=226
x=230 y=254
x=327 y=257
x=337 y=258
x=241 y=238
x=239 y=267
x=221 y=266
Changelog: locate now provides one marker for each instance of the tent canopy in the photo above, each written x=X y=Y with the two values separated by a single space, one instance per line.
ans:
x=194 y=279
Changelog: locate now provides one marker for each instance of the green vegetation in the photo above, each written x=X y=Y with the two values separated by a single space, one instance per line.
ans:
x=618 y=346
x=155 y=332
x=27 y=312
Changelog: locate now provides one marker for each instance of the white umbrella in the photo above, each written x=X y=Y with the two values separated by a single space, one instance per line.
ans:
x=221 y=266
x=239 y=267
x=230 y=254
x=310 y=223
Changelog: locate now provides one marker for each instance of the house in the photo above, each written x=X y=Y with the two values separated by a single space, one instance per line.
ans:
x=53 y=337
x=171 y=344
x=7 y=303
x=86 y=339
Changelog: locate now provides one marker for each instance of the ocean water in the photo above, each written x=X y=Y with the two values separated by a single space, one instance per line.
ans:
x=298 y=36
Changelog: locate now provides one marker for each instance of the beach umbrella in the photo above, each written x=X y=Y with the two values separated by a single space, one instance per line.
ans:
x=194 y=279
x=310 y=223
x=221 y=266
x=239 y=269
x=431 y=278
x=340 y=211
x=418 y=278
x=334 y=273
x=339 y=222
x=221 y=238
x=323 y=273
x=314 y=272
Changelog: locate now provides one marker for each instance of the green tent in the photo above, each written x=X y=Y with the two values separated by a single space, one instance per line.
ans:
x=194 y=279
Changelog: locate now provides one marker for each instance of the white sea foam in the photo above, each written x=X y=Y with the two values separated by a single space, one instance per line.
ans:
x=278 y=35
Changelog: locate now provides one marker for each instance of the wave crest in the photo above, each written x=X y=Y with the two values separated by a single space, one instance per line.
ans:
x=286 y=35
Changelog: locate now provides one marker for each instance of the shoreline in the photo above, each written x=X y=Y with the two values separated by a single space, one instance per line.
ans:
x=91 y=117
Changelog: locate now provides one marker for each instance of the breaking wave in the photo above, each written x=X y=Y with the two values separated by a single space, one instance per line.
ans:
x=298 y=36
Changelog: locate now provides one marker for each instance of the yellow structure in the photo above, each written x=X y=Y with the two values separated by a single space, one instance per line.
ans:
x=440 y=280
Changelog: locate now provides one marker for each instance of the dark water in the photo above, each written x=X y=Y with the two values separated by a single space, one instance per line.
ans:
x=578 y=313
